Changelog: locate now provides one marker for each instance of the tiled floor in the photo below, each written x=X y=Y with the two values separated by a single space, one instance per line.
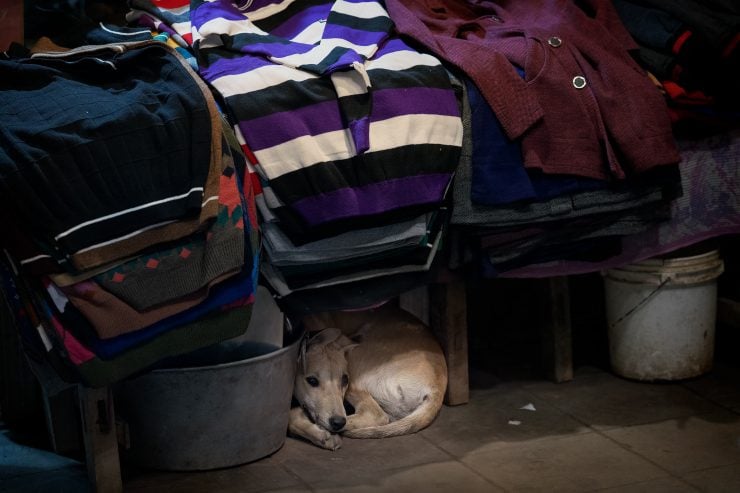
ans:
x=596 y=433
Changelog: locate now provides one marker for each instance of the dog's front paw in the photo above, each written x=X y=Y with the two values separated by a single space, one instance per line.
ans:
x=330 y=441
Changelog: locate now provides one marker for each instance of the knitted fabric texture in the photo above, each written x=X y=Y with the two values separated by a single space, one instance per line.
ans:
x=67 y=168
x=585 y=107
x=343 y=118
x=110 y=316
x=190 y=264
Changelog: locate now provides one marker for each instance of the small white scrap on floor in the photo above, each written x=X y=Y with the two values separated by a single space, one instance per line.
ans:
x=528 y=407
x=514 y=422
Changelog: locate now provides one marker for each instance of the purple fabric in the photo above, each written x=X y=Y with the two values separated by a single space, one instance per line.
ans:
x=257 y=4
x=233 y=66
x=372 y=199
x=388 y=103
x=708 y=208
x=326 y=117
x=391 y=46
x=211 y=10
x=287 y=125
x=277 y=49
x=362 y=38
x=296 y=24
x=155 y=24
x=360 y=131
x=342 y=63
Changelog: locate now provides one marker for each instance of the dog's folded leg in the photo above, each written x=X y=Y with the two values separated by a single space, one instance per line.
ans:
x=300 y=425
x=367 y=411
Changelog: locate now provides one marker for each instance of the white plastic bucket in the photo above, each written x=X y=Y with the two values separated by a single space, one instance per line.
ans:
x=661 y=315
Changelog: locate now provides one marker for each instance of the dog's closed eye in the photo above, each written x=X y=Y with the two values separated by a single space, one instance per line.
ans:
x=312 y=381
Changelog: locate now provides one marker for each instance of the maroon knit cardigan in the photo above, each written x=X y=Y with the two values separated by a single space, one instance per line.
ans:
x=585 y=106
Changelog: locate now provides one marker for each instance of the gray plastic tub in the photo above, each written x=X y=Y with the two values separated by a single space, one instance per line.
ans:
x=231 y=407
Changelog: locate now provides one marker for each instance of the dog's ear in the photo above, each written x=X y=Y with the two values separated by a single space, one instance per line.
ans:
x=346 y=344
x=325 y=337
x=349 y=347
x=302 y=356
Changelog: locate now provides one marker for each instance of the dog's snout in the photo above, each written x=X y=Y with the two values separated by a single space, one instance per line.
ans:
x=337 y=422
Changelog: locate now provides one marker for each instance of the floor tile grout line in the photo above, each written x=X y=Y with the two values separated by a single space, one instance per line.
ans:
x=393 y=470
x=304 y=483
x=454 y=458
x=736 y=463
x=554 y=404
x=487 y=480
x=648 y=481
x=602 y=434
x=589 y=429
x=659 y=421
x=633 y=452
x=629 y=450
x=713 y=401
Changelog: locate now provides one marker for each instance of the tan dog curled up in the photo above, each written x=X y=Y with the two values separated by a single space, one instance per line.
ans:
x=390 y=369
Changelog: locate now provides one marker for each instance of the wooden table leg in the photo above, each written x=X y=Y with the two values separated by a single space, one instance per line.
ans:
x=101 y=445
x=443 y=307
x=557 y=344
x=449 y=320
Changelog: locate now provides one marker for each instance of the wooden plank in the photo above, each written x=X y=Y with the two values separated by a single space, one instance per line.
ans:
x=101 y=445
x=557 y=342
x=449 y=321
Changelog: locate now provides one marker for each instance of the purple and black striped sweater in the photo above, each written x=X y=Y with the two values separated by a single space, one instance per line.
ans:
x=347 y=122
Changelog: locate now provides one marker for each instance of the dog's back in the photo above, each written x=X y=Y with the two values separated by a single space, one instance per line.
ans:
x=400 y=363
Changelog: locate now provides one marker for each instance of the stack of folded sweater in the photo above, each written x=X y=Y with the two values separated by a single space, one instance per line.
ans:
x=540 y=217
x=131 y=235
x=352 y=137
x=568 y=146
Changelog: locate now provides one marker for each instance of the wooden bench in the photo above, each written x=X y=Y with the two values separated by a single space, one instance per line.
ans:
x=443 y=306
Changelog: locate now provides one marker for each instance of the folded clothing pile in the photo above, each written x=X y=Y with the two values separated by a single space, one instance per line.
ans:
x=352 y=137
x=568 y=147
x=130 y=232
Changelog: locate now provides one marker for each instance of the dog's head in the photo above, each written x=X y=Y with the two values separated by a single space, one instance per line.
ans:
x=322 y=379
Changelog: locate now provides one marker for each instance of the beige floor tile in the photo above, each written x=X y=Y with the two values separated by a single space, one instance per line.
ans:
x=687 y=444
x=255 y=477
x=661 y=485
x=313 y=464
x=584 y=462
x=495 y=415
x=304 y=489
x=438 y=477
x=605 y=401
x=725 y=479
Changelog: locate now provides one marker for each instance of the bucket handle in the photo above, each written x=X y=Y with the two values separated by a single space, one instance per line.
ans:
x=663 y=282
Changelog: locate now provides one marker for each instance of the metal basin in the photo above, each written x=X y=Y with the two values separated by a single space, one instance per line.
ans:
x=232 y=407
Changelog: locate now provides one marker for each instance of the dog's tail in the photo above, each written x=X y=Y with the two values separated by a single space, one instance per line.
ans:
x=420 y=418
